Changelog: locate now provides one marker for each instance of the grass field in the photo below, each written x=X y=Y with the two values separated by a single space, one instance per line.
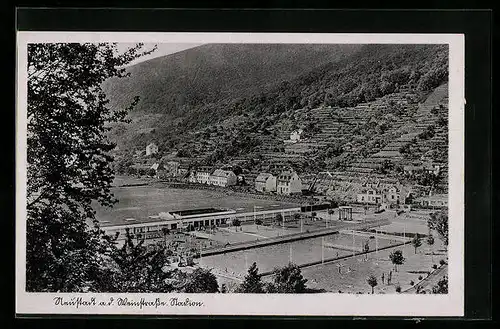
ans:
x=143 y=201
x=354 y=281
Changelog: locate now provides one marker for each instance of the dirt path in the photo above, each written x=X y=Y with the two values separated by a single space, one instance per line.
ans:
x=429 y=281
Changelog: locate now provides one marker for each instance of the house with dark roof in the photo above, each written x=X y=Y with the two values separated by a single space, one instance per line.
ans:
x=223 y=178
x=288 y=182
x=265 y=182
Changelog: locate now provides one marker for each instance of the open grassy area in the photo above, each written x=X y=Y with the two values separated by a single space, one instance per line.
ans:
x=355 y=271
x=143 y=201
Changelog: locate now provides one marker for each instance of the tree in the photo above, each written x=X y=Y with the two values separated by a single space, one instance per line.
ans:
x=278 y=219
x=416 y=242
x=366 y=248
x=165 y=231
x=69 y=165
x=441 y=287
x=288 y=280
x=438 y=221
x=397 y=258
x=200 y=281
x=137 y=268
x=430 y=242
x=372 y=282
x=253 y=283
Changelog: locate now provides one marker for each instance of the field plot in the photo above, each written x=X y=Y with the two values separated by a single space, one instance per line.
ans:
x=246 y=233
x=144 y=201
x=299 y=252
x=405 y=224
x=354 y=271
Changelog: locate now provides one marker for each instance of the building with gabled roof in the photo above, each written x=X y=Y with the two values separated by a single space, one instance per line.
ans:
x=223 y=178
x=288 y=182
x=265 y=182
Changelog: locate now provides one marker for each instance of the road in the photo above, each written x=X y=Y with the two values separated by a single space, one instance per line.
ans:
x=430 y=281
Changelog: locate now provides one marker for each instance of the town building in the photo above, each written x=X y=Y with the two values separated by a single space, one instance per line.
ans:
x=393 y=195
x=223 y=178
x=192 y=177
x=151 y=149
x=203 y=175
x=151 y=227
x=371 y=196
x=288 y=182
x=294 y=137
x=437 y=201
x=265 y=182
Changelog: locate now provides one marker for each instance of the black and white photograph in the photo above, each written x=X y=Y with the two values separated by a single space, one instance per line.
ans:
x=201 y=168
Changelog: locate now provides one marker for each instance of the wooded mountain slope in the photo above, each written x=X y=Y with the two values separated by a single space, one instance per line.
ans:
x=199 y=87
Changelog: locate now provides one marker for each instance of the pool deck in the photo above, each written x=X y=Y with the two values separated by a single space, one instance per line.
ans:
x=294 y=237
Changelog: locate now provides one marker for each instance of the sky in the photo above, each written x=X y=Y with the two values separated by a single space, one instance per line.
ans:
x=163 y=49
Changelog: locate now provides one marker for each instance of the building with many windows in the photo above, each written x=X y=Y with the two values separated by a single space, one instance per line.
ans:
x=288 y=182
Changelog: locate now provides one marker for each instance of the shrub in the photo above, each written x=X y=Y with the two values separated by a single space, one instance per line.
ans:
x=420 y=277
x=442 y=262
x=398 y=288
x=412 y=283
x=434 y=266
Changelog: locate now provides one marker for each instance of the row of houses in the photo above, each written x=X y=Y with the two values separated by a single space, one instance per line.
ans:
x=398 y=196
x=286 y=183
x=217 y=177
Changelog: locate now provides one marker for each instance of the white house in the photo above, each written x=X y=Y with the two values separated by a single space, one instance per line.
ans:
x=223 y=178
x=151 y=149
x=393 y=195
x=371 y=196
x=288 y=182
x=203 y=175
x=265 y=182
x=295 y=135
x=438 y=200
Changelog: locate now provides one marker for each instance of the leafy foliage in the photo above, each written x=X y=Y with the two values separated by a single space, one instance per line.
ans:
x=363 y=75
x=288 y=280
x=438 y=221
x=199 y=281
x=68 y=161
x=372 y=282
x=252 y=283
x=416 y=242
x=397 y=258
x=441 y=287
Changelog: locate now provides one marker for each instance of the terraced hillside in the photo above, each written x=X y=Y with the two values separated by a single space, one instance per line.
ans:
x=364 y=118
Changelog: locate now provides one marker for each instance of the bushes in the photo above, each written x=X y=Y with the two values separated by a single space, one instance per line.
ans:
x=412 y=283
x=398 y=288
x=420 y=277
x=442 y=262
x=434 y=266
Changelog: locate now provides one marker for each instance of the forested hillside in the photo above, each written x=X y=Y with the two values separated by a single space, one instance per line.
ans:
x=216 y=109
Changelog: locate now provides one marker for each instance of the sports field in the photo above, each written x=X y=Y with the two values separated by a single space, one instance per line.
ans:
x=299 y=252
x=142 y=201
x=355 y=271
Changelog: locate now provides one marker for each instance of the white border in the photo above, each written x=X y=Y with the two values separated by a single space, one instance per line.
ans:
x=328 y=304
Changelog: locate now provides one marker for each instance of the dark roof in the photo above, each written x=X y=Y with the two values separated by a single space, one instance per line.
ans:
x=190 y=212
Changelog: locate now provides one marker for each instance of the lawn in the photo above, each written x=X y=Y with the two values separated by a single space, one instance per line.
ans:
x=355 y=271
x=143 y=201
